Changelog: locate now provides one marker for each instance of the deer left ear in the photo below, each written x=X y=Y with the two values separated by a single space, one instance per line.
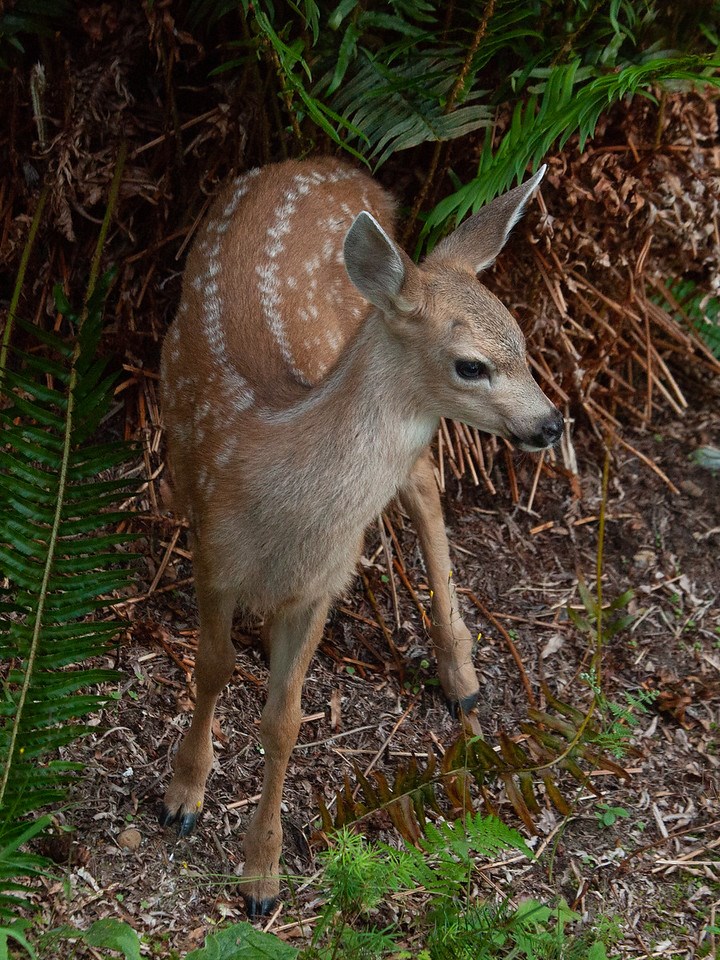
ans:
x=381 y=271
x=479 y=240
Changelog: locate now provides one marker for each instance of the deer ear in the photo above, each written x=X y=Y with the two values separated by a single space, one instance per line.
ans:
x=479 y=240
x=376 y=265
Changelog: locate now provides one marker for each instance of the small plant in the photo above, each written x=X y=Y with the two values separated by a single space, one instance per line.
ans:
x=696 y=309
x=607 y=815
x=452 y=922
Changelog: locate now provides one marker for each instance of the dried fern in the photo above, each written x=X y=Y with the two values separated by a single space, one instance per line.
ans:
x=557 y=738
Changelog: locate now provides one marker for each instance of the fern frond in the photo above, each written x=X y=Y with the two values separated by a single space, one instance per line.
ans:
x=54 y=551
x=696 y=309
x=58 y=558
x=395 y=107
x=564 y=739
x=570 y=100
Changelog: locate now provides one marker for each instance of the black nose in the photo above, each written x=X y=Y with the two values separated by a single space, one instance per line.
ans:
x=552 y=429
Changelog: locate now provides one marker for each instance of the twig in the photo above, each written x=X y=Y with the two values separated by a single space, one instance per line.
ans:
x=416 y=600
x=380 y=621
x=165 y=560
x=531 y=498
x=392 y=733
x=20 y=280
x=387 y=549
x=510 y=645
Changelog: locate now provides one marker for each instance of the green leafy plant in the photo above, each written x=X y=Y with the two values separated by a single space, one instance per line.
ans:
x=451 y=921
x=607 y=815
x=39 y=18
x=565 y=100
x=57 y=501
x=379 y=81
x=695 y=308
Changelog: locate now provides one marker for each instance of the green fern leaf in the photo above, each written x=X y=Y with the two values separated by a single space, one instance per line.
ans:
x=56 y=552
x=400 y=106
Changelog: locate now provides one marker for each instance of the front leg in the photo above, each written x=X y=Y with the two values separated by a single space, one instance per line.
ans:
x=295 y=633
x=451 y=638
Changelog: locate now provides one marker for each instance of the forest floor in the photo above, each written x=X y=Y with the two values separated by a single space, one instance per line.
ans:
x=655 y=870
x=586 y=274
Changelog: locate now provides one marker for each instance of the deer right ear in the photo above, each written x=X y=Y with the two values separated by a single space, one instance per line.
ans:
x=480 y=238
x=375 y=264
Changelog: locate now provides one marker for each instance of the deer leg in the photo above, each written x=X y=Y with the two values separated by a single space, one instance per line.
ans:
x=214 y=666
x=451 y=638
x=295 y=635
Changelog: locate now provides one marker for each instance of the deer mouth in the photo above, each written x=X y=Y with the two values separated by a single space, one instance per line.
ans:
x=547 y=436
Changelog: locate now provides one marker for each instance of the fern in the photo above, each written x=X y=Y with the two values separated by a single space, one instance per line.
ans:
x=38 y=18
x=561 y=737
x=569 y=100
x=696 y=309
x=379 y=81
x=53 y=553
x=58 y=557
x=398 y=107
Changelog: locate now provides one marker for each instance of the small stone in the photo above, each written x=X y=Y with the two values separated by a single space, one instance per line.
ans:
x=130 y=839
x=692 y=489
x=645 y=558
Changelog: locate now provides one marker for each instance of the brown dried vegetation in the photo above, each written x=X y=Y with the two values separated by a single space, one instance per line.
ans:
x=638 y=207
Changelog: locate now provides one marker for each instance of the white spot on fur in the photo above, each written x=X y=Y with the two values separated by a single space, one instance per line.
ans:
x=224 y=456
x=269 y=272
x=238 y=392
x=231 y=382
x=202 y=411
x=181 y=431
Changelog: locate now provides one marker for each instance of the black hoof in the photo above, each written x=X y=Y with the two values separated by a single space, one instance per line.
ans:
x=259 y=908
x=185 y=822
x=466 y=705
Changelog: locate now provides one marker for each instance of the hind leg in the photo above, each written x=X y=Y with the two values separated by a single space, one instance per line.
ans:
x=295 y=633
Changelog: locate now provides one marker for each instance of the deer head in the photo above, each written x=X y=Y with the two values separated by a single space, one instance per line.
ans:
x=463 y=347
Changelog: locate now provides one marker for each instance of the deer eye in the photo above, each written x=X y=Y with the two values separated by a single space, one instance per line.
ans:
x=472 y=369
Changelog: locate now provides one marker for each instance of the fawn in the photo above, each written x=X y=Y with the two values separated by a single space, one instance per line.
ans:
x=303 y=381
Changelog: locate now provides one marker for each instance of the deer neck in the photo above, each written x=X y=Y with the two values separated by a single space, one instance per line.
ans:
x=362 y=428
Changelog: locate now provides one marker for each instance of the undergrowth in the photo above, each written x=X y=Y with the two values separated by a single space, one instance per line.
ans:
x=377 y=80
x=451 y=919
x=61 y=559
x=696 y=309
x=509 y=81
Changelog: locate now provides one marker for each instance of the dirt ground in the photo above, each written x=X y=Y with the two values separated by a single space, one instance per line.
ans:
x=656 y=869
x=634 y=209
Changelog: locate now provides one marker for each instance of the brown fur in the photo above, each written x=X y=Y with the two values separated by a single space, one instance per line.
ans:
x=296 y=409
